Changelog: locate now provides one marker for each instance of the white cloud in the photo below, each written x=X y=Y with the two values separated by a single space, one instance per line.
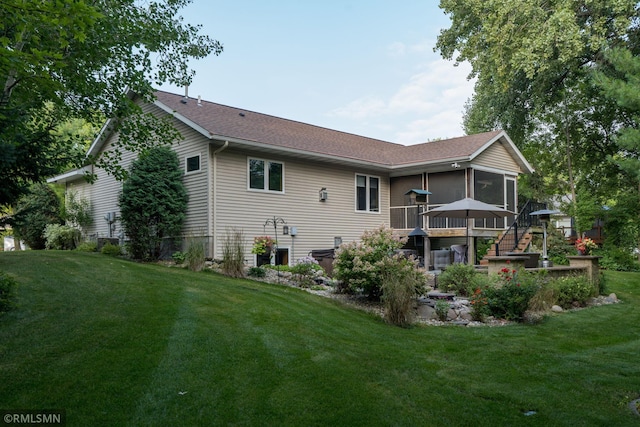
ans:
x=429 y=105
x=361 y=108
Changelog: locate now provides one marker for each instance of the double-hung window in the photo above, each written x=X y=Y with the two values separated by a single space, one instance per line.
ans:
x=367 y=193
x=266 y=175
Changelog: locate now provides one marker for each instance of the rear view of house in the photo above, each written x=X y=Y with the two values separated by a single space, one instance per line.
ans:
x=318 y=187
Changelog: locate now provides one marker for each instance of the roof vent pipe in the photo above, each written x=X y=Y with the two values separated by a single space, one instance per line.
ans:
x=186 y=94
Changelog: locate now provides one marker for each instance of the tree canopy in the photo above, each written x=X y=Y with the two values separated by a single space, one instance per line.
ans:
x=70 y=59
x=535 y=63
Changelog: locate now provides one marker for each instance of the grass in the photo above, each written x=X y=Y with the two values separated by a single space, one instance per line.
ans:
x=118 y=343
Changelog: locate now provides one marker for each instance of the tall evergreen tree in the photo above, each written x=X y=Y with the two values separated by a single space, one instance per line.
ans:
x=153 y=202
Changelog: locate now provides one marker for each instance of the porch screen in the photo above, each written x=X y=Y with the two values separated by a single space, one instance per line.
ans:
x=489 y=187
x=446 y=187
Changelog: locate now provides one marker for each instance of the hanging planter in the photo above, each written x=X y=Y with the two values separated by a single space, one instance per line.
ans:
x=263 y=245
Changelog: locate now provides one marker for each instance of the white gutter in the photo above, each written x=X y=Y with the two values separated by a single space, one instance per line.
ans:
x=70 y=176
x=213 y=210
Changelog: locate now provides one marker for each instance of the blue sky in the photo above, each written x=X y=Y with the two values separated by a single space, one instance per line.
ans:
x=360 y=66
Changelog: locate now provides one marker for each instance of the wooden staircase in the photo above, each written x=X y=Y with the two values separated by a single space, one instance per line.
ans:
x=522 y=245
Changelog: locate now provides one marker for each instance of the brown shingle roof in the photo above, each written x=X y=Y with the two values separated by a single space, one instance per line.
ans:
x=229 y=122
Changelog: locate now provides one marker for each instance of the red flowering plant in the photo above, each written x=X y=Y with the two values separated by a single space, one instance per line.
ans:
x=479 y=305
x=509 y=299
x=585 y=245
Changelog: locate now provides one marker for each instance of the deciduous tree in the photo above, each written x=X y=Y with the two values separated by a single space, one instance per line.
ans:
x=534 y=65
x=77 y=59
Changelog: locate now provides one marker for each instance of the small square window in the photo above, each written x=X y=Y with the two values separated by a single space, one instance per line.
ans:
x=193 y=164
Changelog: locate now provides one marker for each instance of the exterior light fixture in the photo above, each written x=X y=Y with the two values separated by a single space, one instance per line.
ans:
x=323 y=194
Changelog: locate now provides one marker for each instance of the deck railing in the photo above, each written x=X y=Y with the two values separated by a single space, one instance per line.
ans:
x=509 y=240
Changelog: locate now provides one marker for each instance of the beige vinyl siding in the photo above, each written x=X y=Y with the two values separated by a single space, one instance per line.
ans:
x=104 y=192
x=497 y=157
x=317 y=222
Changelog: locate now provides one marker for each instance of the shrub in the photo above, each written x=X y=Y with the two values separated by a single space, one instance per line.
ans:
x=402 y=282
x=7 y=292
x=305 y=269
x=111 y=249
x=87 y=247
x=233 y=253
x=544 y=298
x=442 y=309
x=479 y=305
x=458 y=278
x=257 y=272
x=178 y=257
x=572 y=289
x=61 y=237
x=509 y=299
x=619 y=259
x=195 y=255
x=153 y=202
x=77 y=211
x=359 y=264
x=34 y=212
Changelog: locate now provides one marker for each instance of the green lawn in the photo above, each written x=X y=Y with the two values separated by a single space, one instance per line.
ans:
x=118 y=343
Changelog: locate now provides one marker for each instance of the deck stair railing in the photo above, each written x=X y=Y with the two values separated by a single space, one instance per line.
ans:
x=523 y=222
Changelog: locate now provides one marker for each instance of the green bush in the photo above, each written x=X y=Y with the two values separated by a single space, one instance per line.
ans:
x=305 y=269
x=257 y=272
x=442 y=309
x=359 y=265
x=572 y=289
x=153 y=202
x=87 y=247
x=7 y=292
x=618 y=259
x=61 y=237
x=459 y=278
x=111 y=249
x=509 y=298
x=178 y=257
x=34 y=212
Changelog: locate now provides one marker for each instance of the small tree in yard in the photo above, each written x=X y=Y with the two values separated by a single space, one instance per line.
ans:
x=34 y=212
x=153 y=202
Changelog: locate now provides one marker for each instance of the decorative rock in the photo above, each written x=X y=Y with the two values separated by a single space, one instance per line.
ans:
x=466 y=316
x=557 y=309
x=452 y=315
x=612 y=297
x=426 y=312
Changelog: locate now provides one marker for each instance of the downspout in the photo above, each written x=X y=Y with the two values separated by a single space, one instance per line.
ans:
x=213 y=201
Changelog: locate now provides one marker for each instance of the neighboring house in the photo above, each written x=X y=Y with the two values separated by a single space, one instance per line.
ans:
x=244 y=169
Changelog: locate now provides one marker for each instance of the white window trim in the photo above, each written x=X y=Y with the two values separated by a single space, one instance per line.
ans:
x=266 y=176
x=186 y=157
x=368 y=200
